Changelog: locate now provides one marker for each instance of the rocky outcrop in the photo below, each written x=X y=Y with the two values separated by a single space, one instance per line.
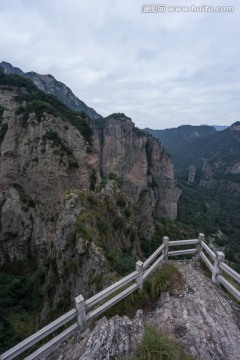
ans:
x=234 y=169
x=191 y=174
x=110 y=339
x=139 y=161
x=200 y=315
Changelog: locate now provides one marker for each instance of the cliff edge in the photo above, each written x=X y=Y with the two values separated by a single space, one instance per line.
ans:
x=200 y=315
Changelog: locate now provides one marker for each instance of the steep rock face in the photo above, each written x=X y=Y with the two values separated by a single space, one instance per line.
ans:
x=90 y=228
x=40 y=160
x=111 y=339
x=139 y=160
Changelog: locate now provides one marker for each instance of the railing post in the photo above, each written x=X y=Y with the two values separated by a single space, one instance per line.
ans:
x=216 y=269
x=199 y=245
x=80 y=305
x=165 y=249
x=139 y=269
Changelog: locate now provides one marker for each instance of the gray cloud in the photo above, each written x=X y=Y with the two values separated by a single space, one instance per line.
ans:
x=163 y=70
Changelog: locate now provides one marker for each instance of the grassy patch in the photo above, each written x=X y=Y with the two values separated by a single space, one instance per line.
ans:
x=161 y=280
x=156 y=345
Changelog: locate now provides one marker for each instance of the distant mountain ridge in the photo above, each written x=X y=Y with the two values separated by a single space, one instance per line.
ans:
x=207 y=166
x=49 y=84
x=174 y=138
x=200 y=145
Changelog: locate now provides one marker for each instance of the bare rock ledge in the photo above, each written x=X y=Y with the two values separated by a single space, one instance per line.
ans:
x=200 y=315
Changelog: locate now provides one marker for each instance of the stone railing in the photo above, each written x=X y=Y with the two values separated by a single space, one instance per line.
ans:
x=86 y=311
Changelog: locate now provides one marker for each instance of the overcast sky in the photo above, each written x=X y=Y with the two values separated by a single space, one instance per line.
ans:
x=161 y=69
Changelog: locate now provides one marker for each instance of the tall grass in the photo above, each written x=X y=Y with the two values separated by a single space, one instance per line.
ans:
x=156 y=345
x=161 y=280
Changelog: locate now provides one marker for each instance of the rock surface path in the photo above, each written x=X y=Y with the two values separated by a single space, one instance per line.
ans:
x=200 y=315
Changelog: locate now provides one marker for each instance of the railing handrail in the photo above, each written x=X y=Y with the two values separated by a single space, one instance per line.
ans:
x=143 y=270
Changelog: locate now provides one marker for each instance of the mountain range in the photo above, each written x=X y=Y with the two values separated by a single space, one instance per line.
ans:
x=207 y=167
x=50 y=85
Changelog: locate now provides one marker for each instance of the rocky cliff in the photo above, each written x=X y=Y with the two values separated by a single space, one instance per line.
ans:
x=140 y=161
x=72 y=199
x=40 y=160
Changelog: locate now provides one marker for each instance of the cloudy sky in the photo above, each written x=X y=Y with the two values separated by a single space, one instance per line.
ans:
x=161 y=69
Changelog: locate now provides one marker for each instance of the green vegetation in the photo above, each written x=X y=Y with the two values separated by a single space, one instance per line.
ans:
x=118 y=116
x=115 y=177
x=175 y=230
x=39 y=102
x=119 y=223
x=124 y=264
x=156 y=345
x=15 y=80
x=19 y=302
x=38 y=107
x=103 y=225
x=216 y=213
x=163 y=279
x=100 y=123
x=139 y=132
x=52 y=135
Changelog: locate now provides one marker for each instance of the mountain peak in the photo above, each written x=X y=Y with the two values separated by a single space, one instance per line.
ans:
x=49 y=84
x=9 y=69
x=235 y=126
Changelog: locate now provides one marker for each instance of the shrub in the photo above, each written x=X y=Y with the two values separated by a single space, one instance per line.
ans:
x=119 y=223
x=52 y=135
x=121 y=202
x=156 y=345
x=124 y=264
x=103 y=226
